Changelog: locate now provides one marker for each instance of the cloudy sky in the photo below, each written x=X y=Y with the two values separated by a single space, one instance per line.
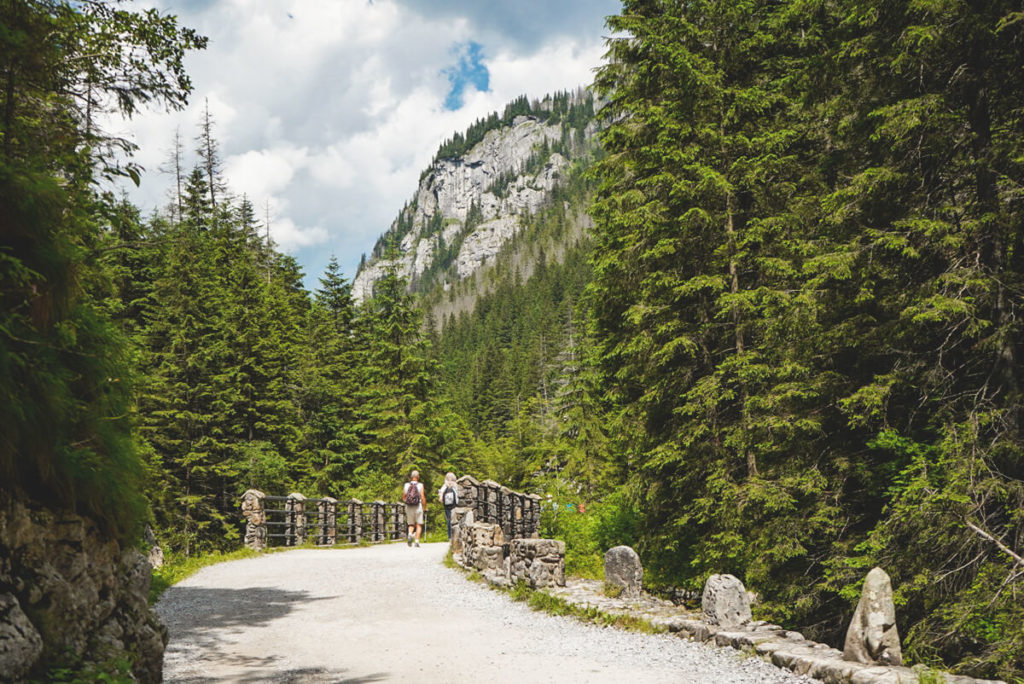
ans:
x=330 y=109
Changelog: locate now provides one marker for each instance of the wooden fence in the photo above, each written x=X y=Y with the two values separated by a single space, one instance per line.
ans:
x=293 y=520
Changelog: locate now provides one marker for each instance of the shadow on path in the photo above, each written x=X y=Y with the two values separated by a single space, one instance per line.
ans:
x=203 y=620
x=201 y=609
x=309 y=675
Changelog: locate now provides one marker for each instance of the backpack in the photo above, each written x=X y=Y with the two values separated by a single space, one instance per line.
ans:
x=449 y=496
x=412 y=495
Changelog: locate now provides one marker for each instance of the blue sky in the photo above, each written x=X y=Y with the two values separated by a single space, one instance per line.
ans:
x=469 y=71
x=328 y=110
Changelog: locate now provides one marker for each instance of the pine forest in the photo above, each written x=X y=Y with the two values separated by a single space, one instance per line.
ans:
x=768 y=321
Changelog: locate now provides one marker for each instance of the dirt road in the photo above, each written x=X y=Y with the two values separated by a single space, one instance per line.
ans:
x=393 y=613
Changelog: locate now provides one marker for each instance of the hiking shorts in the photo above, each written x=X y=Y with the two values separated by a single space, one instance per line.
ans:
x=414 y=514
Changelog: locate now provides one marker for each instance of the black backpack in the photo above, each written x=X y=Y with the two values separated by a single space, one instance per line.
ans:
x=412 y=494
x=449 y=496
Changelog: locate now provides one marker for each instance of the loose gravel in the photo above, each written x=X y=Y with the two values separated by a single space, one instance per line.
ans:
x=394 y=613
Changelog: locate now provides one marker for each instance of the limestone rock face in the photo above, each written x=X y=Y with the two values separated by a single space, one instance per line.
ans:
x=71 y=592
x=622 y=567
x=872 y=636
x=725 y=602
x=20 y=642
x=492 y=177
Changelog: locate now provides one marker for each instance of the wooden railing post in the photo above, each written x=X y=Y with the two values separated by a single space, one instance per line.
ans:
x=255 y=519
x=397 y=518
x=296 y=507
x=377 y=520
x=505 y=513
x=489 y=496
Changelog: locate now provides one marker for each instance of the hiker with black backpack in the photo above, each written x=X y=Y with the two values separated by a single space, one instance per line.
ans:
x=415 y=507
x=449 y=497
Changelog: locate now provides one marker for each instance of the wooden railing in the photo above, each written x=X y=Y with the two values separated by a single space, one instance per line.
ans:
x=293 y=520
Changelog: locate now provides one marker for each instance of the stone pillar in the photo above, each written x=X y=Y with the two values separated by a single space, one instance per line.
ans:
x=355 y=520
x=327 y=518
x=533 y=518
x=255 y=519
x=469 y=493
x=872 y=637
x=295 y=508
x=461 y=516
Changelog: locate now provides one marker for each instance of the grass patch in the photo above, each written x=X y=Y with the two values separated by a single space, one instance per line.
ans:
x=112 y=672
x=544 y=602
x=612 y=590
x=177 y=568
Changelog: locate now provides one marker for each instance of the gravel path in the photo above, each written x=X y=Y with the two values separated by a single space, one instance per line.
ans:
x=392 y=613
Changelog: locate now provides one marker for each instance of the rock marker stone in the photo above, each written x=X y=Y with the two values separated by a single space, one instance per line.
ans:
x=725 y=603
x=872 y=636
x=622 y=567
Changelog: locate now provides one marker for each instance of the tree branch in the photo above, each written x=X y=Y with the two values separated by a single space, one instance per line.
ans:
x=1002 y=547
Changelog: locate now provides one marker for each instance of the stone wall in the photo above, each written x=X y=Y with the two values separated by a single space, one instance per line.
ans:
x=538 y=563
x=68 y=593
x=481 y=546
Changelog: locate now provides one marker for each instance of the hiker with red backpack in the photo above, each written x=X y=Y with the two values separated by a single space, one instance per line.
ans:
x=415 y=507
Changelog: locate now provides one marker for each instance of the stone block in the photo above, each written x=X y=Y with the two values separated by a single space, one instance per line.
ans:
x=884 y=675
x=725 y=603
x=729 y=639
x=622 y=568
x=785 y=657
x=836 y=671
x=767 y=648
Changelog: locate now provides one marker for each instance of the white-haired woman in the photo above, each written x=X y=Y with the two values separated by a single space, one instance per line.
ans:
x=449 y=496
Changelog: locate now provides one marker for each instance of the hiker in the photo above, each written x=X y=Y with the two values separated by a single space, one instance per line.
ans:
x=449 y=497
x=415 y=507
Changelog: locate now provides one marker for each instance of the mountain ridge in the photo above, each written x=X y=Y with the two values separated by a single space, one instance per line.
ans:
x=481 y=190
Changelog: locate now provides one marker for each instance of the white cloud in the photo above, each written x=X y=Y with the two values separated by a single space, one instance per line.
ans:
x=262 y=173
x=330 y=109
x=290 y=237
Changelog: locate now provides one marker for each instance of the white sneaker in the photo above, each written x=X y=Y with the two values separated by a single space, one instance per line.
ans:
x=417 y=544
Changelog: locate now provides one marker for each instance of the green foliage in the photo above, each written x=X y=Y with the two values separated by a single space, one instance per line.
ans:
x=112 y=672
x=589 y=534
x=66 y=377
x=803 y=269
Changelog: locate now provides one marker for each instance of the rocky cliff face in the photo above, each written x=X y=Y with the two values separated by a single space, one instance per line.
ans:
x=468 y=207
x=69 y=594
